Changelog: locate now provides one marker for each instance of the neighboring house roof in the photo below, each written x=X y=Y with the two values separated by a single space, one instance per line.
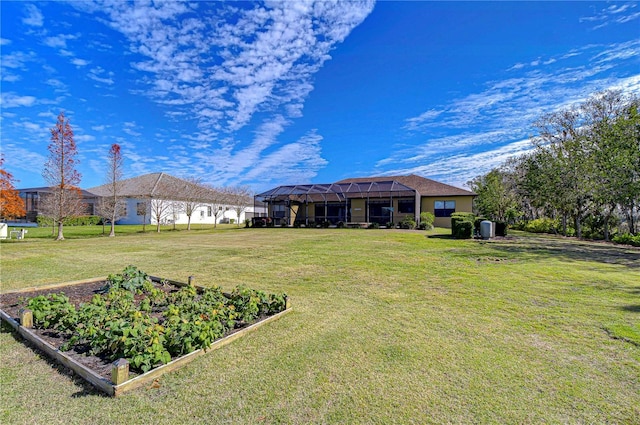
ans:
x=424 y=186
x=48 y=189
x=160 y=186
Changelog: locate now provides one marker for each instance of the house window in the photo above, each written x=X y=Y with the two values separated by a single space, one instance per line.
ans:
x=444 y=208
x=141 y=208
x=202 y=214
x=209 y=211
x=406 y=206
x=278 y=210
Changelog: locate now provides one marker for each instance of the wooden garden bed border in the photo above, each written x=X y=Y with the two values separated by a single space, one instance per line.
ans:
x=101 y=382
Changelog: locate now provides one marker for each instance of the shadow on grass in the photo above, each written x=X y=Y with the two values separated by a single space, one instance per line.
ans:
x=631 y=308
x=440 y=237
x=570 y=249
x=86 y=389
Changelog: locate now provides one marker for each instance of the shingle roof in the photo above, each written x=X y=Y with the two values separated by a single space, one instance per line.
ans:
x=424 y=186
x=153 y=185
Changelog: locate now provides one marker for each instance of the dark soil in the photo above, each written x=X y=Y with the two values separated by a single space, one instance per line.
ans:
x=11 y=303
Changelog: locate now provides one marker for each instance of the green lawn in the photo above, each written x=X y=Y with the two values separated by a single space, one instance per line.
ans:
x=388 y=327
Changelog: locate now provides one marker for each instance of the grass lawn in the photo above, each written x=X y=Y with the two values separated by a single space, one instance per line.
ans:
x=388 y=327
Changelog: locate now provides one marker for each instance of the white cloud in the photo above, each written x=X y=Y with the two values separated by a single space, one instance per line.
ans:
x=11 y=100
x=4 y=41
x=33 y=16
x=298 y=161
x=613 y=14
x=100 y=75
x=261 y=60
x=80 y=62
x=84 y=138
x=474 y=133
x=24 y=159
x=59 y=41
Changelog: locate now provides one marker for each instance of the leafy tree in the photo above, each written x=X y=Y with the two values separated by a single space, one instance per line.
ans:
x=495 y=198
x=11 y=204
x=60 y=172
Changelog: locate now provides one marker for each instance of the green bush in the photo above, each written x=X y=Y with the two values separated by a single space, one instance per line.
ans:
x=426 y=220
x=501 y=228
x=408 y=223
x=390 y=225
x=627 y=239
x=373 y=226
x=83 y=220
x=464 y=229
x=541 y=225
x=458 y=230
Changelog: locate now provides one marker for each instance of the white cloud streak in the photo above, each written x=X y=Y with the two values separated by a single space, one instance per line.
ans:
x=495 y=120
x=33 y=17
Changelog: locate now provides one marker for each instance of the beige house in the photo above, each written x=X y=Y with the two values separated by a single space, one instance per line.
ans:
x=366 y=200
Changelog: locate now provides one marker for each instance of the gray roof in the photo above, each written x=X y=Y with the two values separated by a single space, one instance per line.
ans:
x=424 y=186
x=153 y=185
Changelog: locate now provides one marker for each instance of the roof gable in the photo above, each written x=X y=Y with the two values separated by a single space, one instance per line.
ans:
x=153 y=185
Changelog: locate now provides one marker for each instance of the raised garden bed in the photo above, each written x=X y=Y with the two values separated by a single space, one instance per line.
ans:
x=124 y=331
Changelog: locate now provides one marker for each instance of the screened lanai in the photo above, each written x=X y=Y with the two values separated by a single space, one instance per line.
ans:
x=362 y=202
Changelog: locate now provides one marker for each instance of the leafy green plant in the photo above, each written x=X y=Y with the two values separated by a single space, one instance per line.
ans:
x=52 y=311
x=627 y=239
x=408 y=223
x=426 y=221
x=131 y=279
x=156 y=327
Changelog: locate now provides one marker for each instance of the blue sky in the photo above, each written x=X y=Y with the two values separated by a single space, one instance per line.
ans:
x=263 y=94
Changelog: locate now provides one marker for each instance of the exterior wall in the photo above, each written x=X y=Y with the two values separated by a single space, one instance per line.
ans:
x=199 y=216
x=358 y=210
x=463 y=204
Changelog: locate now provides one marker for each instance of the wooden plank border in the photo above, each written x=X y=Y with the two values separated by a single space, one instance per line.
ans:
x=103 y=384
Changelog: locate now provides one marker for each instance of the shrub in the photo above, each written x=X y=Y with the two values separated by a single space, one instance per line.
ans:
x=340 y=224
x=463 y=230
x=460 y=217
x=373 y=225
x=541 y=225
x=501 y=228
x=627 y=239
x=390 y=225
x=426 y=220
x=247 y=223
x=408 y=223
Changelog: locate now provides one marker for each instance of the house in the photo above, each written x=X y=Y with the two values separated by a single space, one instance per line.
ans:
x=367 y=200
x=160 y=196
x=34 y=196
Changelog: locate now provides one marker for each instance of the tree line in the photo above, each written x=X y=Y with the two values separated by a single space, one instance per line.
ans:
x=582 y=174
x=65 y=201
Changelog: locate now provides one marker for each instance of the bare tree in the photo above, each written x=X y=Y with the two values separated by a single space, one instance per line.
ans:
x=217 y=198
x=112 y=207
x=61 y=174
x=141 y=210
x=161 y=210
x=194 y=195
x=239 y=200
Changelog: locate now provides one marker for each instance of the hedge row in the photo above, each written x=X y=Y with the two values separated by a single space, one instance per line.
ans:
x=85 y=220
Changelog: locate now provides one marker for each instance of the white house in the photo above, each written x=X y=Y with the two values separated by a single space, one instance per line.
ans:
x=160 y=196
